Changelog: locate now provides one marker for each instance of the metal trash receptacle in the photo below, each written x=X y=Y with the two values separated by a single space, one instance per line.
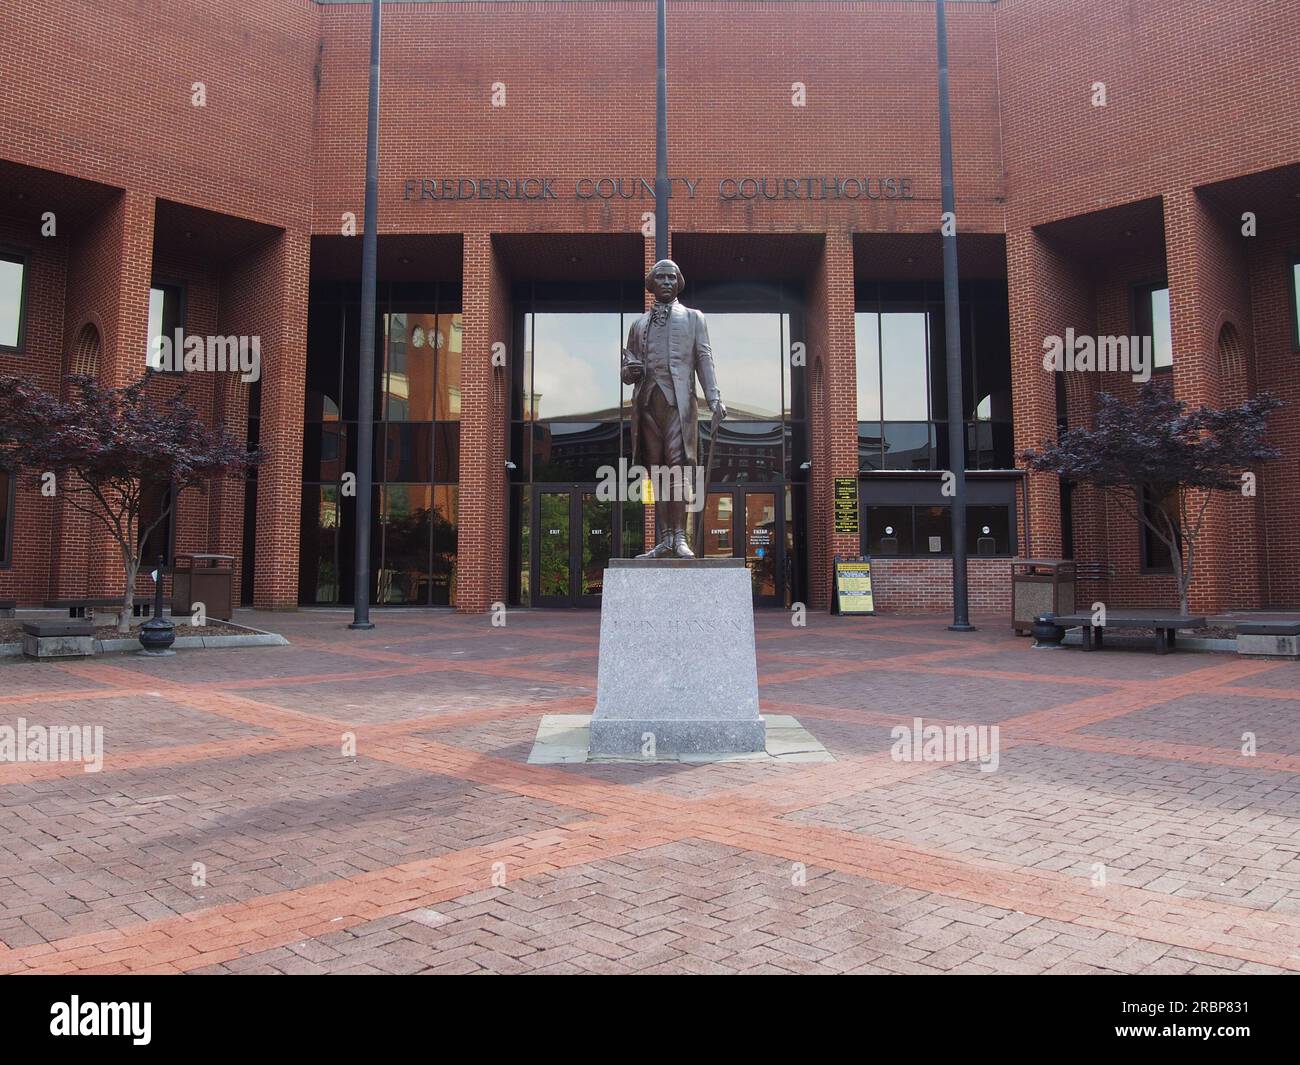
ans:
x=206 y=579
x=1040 y=586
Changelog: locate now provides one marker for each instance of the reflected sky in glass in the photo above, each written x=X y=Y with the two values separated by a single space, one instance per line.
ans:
x=11 y=294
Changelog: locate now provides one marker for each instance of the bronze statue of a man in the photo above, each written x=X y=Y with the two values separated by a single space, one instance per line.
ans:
x=666 y=349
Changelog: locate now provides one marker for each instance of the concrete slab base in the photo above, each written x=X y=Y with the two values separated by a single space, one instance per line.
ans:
x=565 y=739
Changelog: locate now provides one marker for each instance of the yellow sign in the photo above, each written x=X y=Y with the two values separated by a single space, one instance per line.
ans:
x=852 y=593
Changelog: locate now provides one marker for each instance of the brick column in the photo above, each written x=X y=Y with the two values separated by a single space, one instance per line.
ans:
x=276 y=309
x=1208 y=290
x=481 y=547
x=109 y=274
x=832 y=400
x=1048 y=293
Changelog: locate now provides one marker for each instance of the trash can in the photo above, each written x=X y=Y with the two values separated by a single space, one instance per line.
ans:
x=206 y=579
x=1040 y=586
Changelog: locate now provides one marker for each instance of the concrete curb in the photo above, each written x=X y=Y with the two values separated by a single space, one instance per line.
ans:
x=250 y=637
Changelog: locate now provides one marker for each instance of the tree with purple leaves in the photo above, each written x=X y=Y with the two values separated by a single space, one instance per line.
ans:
x=107 y=447
x=1156 y=450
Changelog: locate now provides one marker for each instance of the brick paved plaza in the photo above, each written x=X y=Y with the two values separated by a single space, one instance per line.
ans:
x=385 y=862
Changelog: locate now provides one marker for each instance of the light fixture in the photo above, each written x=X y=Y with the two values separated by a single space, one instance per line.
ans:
x=510 y=465
x=805 y=466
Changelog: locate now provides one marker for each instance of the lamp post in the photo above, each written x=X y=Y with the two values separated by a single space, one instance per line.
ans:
x=952 y=337
x=661 y=135
x=366 y=373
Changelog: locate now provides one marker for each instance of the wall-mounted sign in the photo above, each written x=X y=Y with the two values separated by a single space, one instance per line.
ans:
x=851 y=591
x=846 y=505
x=534 y=189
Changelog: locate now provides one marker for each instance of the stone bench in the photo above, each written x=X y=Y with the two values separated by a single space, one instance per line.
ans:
x=1165 y=626
x=1273 y=639
x=141 y=605
x=58 y=639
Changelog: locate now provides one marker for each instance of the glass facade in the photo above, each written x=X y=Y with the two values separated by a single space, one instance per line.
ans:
x=416 y=448
x=569 y=420
x=166 y=315
x=902 y=395
x=13 y=291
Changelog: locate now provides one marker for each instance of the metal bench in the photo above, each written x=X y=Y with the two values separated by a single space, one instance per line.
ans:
x=1165 y=626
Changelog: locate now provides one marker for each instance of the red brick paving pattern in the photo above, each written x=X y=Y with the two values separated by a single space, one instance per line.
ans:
x=437 y=849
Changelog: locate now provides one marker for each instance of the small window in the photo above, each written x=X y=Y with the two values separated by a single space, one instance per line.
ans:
x=1295 y=301
x=1151 y=317
x=166 y=317
x=7 y=481
x=13 y=301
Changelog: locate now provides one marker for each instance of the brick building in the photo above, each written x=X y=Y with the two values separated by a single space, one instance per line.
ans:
x=200 y=165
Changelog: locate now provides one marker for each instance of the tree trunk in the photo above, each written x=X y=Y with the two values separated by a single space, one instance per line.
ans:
x=132 y=567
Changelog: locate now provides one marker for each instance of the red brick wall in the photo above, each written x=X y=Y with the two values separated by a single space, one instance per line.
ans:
x=925 y=584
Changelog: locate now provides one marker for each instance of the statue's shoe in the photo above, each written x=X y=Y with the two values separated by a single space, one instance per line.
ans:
x=662 y=549
x=680 y=547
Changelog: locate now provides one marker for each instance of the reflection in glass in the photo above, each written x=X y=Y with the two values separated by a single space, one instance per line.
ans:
x=761 y=547
x=524 y=510
x=11 y=304
x=867 y=339
x=442 y=569
x=904 y=366
x=746 y=451
x=633 y=529
x=748 y=358
x=573 y=451
x=908 y=446
x=403 y=571
x=319 y=574
x=889 y=531
x=597 y=542
x=575 y=362
x=933 y=527
x=717 y=536
x=1161 y=330
x=988 y=530
x=553 y=543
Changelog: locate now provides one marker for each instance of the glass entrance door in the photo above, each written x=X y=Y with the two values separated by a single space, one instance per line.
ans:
x=750 y=523
x=577 y=535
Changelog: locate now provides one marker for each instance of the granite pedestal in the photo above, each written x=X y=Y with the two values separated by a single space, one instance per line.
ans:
x=677 y=674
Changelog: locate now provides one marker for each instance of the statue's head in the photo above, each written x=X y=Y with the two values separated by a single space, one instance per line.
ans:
x=665 y=280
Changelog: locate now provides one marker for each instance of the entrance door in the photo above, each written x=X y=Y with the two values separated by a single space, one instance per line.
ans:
x=750 y=523
x=577 y=535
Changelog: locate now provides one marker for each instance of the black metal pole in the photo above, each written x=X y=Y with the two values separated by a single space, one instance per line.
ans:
x=661 y=138
x=366 y=374
x=952 y=336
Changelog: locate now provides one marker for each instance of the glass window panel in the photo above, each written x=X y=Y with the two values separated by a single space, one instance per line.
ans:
x=889 y=531
x=1295 y=302
x=403 y=572
x=156 y=300
x=718 y=538
x=523 y=508
x=1161 y=330
x=164 y=320
x=746 y=451
x=576 y=360
x=761 y=541
x=446 y=525
x=904 y=359
x=988 y=531
x=870 y=446
x=747 y=355
x=408 y=452
x=909 y=446
x=11 y=302
x=318 y=575
x=933 y=530
x=446 y=451
x=573 y=451
x=553 y=544
x=324 y=353
x=447 y=351
x=409 y=341
x=633 y=529
x=597 y=542
x=867 y=341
